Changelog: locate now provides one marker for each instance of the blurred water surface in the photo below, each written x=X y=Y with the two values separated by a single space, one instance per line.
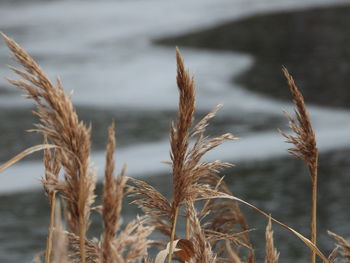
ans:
x=112 y=54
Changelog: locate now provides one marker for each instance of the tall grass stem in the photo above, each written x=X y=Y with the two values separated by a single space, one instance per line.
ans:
x=172 y=236
x=48 y=250
x=313 y=171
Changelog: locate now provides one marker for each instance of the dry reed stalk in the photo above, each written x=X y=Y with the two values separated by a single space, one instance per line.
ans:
x=188 y=170
x=60 y=123
x=50 y=183
x=113 y=192
x=304 y=148
x=344 y=245
x=272 y=254
x=52 y=198
x=179 y=137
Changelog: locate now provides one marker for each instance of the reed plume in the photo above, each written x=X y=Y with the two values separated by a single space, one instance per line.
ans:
x=187 y=168
x=179 y=140
x=179 y=134
x=113 y=192
x=131 y=243
x=304 y=148
x=271 y=252
x=189 y=172
x=60 y=124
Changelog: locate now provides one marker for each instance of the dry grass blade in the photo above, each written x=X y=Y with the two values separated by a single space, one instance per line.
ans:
x=304 y=148
x=61 y=126
x=272 y=254
x=113 y=193
x=343 y=244
x=25 y=153
x=333 y=255
x=214 y=194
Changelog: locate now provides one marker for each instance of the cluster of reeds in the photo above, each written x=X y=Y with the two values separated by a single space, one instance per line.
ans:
x=216 y=229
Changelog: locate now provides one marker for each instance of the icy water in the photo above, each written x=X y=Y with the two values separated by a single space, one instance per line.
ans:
x=112 y=54
x=312 y=44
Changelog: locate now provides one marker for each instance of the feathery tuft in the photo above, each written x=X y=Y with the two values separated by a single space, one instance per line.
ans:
x=271 y=252
x=179 y=135
x=113 y=193
x=304 y=148
x=304 y=141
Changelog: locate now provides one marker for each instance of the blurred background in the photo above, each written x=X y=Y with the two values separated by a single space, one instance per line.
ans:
x=119 y=58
